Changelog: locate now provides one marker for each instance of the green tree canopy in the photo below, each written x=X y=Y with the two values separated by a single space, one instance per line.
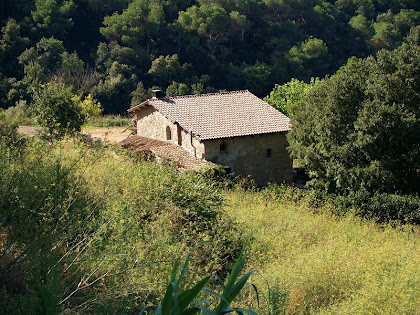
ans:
x=139 y=95
x=54 y=17
x=140 y=21
x=41 y=61
x=284 y=96
x=360 y=129
x=362 y=26
x=12 y=45
x=58 y=110
x=165 y=69
x=311 y=53
x=386 y=36
x=236 y=44
x=48 y=61
x=177 y=89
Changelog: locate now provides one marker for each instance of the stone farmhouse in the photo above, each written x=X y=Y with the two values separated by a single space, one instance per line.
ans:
x=236 y=129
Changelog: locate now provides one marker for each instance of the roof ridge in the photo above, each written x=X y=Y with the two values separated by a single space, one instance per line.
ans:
x=206 y=94
x=186 y=96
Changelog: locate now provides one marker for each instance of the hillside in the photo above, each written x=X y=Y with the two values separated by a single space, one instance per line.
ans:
x=85 y=225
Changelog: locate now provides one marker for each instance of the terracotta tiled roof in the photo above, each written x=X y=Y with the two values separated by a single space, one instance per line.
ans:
x=164 y=149
x=221 y=115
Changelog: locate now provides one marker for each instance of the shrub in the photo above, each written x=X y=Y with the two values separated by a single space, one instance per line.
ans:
x=12 y=143
x=91 y=107
x=58 y=110
x=18 y=114
x=382 y=207
x=102 y=226
x=43 y=213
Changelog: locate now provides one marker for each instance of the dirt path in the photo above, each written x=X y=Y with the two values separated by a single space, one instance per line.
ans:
x=113 y=135
x=28 y=130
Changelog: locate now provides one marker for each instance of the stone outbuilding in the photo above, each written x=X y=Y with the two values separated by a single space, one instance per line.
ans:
x=236 y=129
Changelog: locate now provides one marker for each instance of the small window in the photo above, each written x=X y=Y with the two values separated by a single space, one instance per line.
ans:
x=223 y=148
x=269 y=153
x=168 y=133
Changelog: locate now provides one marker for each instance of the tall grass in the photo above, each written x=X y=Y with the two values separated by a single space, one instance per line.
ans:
x=108 y=121
x=81 y=224
x=314 y=262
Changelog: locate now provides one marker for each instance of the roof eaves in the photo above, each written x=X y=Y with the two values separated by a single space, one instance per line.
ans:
x=243 y=135
x=133 y=109
x=151 y=103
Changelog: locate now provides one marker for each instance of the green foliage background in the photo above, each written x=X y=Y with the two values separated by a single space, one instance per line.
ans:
x=119 y=50
x=82 y=223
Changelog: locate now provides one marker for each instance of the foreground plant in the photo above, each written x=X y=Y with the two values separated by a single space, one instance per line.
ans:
x=177 y=302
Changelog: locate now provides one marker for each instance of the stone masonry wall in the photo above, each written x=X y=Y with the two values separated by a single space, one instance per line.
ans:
x=152 y=124
x=248 y=156
x=245 y=155
x=192 y=144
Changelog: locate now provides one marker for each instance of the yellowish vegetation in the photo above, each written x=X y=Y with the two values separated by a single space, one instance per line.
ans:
x=91 y=107
x=318 y=263
x=109 y=227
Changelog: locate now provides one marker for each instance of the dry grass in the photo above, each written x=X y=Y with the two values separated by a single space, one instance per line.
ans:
x=107 y=134
x=328 y=265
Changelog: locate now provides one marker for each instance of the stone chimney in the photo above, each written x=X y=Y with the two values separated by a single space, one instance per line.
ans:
x=156 y=94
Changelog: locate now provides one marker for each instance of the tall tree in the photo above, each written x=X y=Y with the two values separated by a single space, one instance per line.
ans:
x=136 y=25
x=54 y=17
x=361 y=127
x=283 y=97
x=12 y=45
x=165 y=69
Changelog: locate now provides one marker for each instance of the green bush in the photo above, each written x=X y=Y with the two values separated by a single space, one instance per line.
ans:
x=19 y=114
x=382 y=207
x=91 y=107
x=159 y=214
x=44 y=211
x=11 y=141
x=58 y=110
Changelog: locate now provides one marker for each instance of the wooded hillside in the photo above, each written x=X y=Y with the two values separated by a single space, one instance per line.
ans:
x=117 y=50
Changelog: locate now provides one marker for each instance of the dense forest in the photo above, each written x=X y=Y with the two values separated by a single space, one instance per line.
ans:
x=117 y=50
